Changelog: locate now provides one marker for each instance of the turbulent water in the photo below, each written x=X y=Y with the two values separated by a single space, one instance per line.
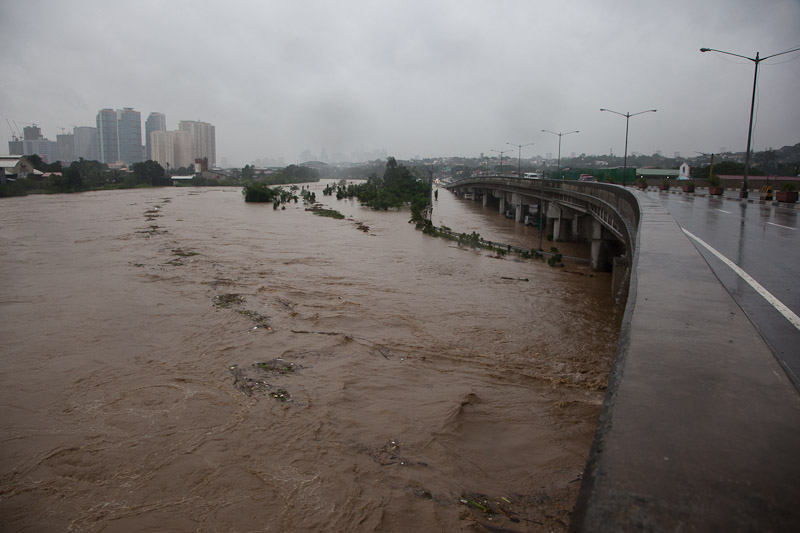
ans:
x=178 y=360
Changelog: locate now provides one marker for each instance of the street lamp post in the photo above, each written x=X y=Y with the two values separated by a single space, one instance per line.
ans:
x=501 y=152
x=559 y=144
x=627 y=120
x=519 y=156
x=743 y=193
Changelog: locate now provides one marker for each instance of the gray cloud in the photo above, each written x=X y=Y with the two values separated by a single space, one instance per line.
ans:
x=414 y=77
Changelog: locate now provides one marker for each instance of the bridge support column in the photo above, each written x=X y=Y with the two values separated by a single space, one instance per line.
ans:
x=575 y=229
x=560 y=223
x=503 y=204
x=601 y=260
x=486 y=198
x=516 y=199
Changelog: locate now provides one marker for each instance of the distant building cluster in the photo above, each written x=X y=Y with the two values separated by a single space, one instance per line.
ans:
x=117 y=140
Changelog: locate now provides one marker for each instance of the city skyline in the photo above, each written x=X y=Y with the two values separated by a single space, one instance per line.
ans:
x=419 y=78
x=117 y=138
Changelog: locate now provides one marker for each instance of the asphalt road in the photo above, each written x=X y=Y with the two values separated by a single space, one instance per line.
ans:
x=764 y=242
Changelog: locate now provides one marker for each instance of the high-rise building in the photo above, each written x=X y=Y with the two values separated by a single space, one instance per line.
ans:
x=155 y=122
x=85 y=142
x=33 y=142
x=32 y=133
x=66 y=148
x=204 y=144
x=107 y=136
x=171 y=149
x=119 y=135
x=130 y=135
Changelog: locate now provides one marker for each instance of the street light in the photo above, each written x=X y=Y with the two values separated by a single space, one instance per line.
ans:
x=559 y=143
x=519 y=156
x=627 y=120
x=756 y=60
x=501 y=152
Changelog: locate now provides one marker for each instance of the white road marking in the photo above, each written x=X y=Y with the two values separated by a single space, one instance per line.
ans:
x=774 y=302
x=786 y=227
x=723 y=211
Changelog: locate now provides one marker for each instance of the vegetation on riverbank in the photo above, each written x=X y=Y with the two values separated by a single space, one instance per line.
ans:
x=83 y=175
x=398 y=187
x=87 y=175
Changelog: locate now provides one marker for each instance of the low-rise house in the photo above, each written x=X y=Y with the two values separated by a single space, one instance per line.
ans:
x=14 y=167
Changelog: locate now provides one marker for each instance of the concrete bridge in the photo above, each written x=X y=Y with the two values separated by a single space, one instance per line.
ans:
x=604 y=215
x=700 y=426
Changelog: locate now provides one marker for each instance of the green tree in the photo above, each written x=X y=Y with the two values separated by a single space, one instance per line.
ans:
x=92 y=173
x=397 y=187
x=259 y=192
x=150 y=173
x=248 y=172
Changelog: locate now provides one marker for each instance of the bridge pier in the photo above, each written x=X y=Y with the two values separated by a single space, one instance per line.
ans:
x=516 y=199
x=601 y=258
x=566 y=223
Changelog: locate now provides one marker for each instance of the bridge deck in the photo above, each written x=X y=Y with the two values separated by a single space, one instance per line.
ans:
x=701 y=427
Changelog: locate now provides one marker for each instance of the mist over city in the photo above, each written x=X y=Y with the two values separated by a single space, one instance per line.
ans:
x=283 y=83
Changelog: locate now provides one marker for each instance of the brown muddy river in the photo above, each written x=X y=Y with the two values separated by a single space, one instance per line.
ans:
x=177 y=360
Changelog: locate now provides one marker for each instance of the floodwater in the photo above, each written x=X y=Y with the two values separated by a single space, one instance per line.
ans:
x=177 y=360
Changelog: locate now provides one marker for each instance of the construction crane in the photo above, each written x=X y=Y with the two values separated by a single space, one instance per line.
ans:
x=14 y=135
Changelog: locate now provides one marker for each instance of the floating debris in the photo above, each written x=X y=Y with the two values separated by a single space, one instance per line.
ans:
x=258 y=319
x=248 y=384
x=278 y=366
x=226 y=300
x=281 y=395
x=182 y=253
x=153 y=229
x=478 y=501
x=386 y=455
x=257 y=378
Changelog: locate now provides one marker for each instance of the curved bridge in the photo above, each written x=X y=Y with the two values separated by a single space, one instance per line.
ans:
x=605 y=215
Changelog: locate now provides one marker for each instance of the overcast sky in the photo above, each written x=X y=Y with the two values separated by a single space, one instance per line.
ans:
x=418 y=78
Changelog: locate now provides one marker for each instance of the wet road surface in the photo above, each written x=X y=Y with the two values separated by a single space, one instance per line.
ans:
x=763 y=241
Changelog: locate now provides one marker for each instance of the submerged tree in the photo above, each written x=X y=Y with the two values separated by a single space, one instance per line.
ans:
x=259 y=192
x=396 y=188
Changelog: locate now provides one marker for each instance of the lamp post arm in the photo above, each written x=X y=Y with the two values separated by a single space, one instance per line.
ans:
x=616 y=112
x=754 y=59
x=728 y=53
